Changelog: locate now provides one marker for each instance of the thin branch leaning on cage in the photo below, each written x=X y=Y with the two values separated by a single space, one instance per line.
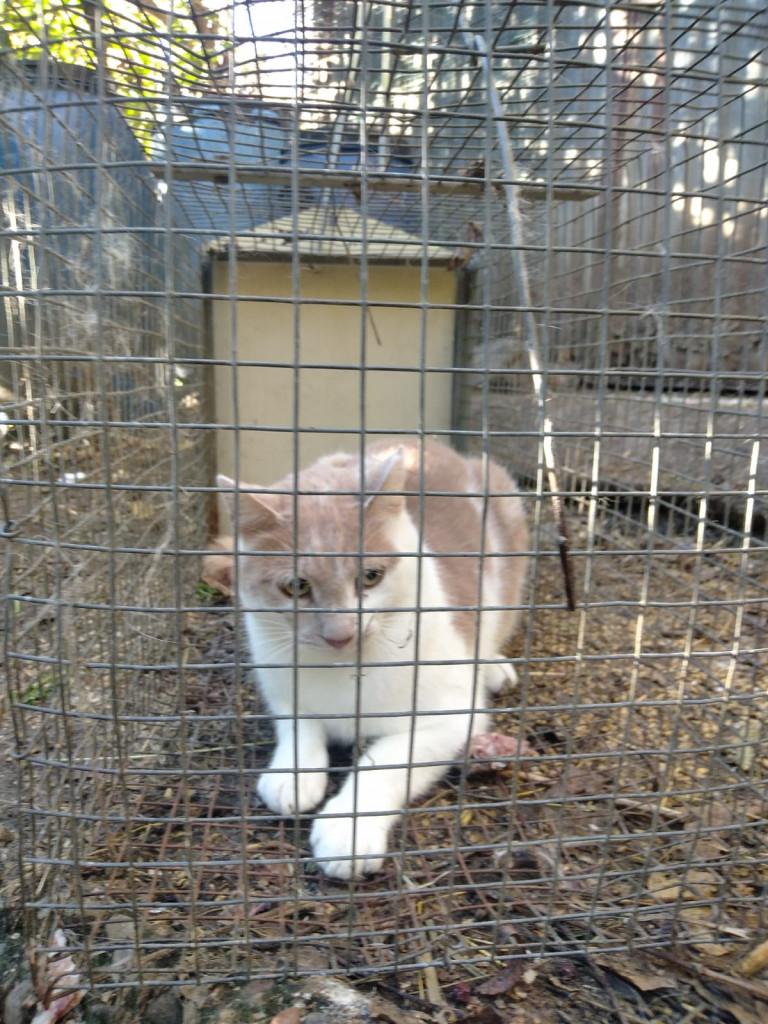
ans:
x=462 y=256
x=338 y=626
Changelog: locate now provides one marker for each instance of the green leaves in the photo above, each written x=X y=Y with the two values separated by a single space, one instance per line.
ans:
x=148 y=51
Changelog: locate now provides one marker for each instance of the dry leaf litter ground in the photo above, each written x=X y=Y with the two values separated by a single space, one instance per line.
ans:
x=636 y=818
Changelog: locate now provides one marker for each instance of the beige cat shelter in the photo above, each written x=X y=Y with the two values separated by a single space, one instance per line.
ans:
x=289 y=345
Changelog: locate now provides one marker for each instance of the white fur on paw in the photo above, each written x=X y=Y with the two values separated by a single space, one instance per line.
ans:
x=280 y=790
x=499 y=675
x=332 y=841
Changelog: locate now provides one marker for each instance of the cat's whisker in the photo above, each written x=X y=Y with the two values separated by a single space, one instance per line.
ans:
x=280 y=641
x=395 y=635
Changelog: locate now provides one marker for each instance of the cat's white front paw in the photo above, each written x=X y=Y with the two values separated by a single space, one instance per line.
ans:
x=288 y=793
x=334 y=840
x=498 y=675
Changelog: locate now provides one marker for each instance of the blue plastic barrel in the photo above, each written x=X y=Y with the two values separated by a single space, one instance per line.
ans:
x=83 y=209
x=80 y=204
x=66 y=156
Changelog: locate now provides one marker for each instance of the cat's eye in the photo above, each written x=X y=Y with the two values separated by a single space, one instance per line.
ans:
x=297 y=587
x=370 y=577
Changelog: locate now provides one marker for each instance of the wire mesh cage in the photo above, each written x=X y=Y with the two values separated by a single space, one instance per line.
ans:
x=238 y=237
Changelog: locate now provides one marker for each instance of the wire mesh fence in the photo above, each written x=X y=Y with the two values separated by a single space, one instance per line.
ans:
x=238 y=237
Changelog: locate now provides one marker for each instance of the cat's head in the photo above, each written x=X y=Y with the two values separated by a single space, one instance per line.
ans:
x=319 y=550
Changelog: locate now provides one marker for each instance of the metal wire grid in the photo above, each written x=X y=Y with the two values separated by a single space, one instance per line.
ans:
x=94 y=462
x=138 y=733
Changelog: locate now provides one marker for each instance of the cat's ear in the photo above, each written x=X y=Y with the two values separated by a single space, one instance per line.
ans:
x=384 y=478
x=219 y=565
x=249 y=508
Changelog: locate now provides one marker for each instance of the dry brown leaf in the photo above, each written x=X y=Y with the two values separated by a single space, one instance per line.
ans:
x=483 y=1015
x=715 y=815
x=7 y=835
x=755 y=961
x=699 y=918
x=742 y=1013
x=143 y=510
x=644 y=981
x=382 y=1010
x=290 y=1016
x=578 y=783
x=663 y=886
x=501 y=982
x=714 y=949
x=702 y=877
x=710 y=848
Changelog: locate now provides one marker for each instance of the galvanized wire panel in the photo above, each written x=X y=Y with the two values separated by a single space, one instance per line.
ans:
x=237 y=237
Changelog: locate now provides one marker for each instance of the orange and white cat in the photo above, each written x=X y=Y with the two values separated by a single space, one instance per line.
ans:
x=360 y=592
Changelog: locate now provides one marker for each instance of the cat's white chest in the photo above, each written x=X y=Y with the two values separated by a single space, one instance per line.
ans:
x=408 y=664
x=374 y=690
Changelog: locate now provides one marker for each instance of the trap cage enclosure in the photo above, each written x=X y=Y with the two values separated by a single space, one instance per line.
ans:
x=238 y=236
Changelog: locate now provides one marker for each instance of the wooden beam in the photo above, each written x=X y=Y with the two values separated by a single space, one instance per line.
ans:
x=255 y=174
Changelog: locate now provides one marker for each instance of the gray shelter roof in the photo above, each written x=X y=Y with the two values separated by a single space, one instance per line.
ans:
x=333 y=234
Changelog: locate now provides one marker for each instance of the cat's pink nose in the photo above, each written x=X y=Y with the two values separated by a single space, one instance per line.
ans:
x=339 y=641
